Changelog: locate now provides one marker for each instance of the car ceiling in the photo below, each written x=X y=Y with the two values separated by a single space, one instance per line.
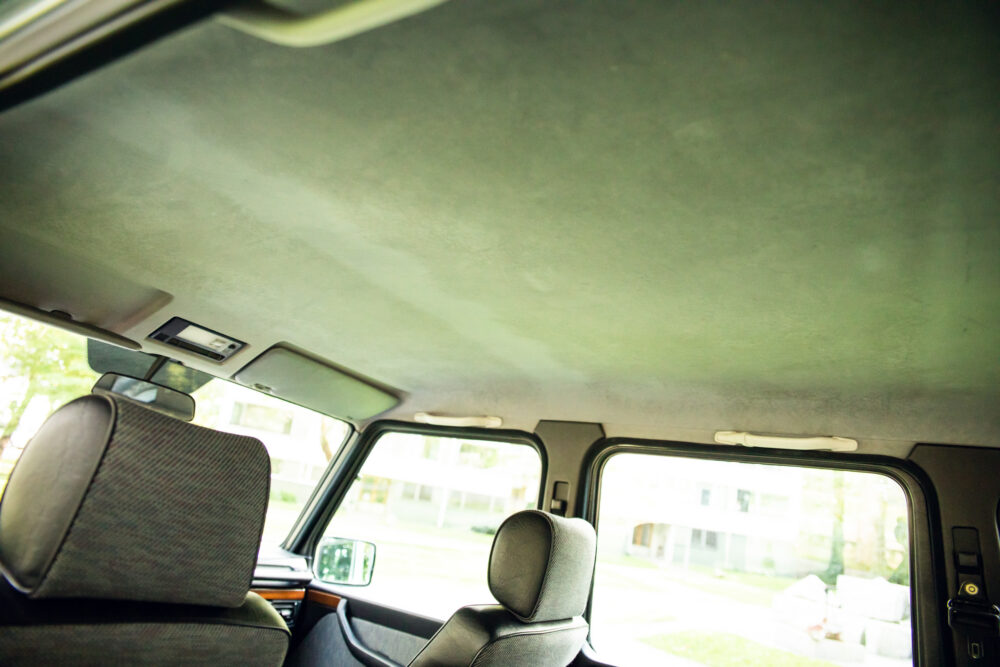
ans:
x=669 y=218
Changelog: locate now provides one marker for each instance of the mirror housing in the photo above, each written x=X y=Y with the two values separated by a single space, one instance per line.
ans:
x=154 y=396
x=340 y=560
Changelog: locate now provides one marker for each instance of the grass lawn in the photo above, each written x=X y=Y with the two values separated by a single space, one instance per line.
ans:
x=733 y=590
x=725 y=650
x=745 y=587
x=771 y=582
x=626 y=560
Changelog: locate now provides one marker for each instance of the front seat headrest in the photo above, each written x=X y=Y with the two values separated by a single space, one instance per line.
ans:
x=111 y=500
x=541 y=566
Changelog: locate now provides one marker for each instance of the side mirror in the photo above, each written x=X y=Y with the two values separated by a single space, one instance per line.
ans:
x=154 y=396
x=339 y=560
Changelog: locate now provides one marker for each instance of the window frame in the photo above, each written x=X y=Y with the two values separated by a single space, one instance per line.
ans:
x=928 y=588
x=330 y=493
x=313 y=503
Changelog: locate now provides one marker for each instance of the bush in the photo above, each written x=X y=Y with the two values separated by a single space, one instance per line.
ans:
x=283 y=496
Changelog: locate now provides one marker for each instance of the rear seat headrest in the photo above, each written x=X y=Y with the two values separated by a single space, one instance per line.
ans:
x=112 y=500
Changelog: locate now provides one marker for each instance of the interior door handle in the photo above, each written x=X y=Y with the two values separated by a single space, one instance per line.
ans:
x=363 y=654
x=287 y=28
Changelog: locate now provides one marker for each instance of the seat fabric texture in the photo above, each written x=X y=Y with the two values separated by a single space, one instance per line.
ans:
x=130 y=537
x=540 y=570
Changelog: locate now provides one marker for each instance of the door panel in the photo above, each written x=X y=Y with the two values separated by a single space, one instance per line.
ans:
x=324 y=644
x=335 y=629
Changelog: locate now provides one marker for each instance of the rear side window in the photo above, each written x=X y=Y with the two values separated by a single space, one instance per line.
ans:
x=431 y=506
x=723 y=563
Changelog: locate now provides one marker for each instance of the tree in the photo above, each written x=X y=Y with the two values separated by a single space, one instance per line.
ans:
x=331 y=436
x=901 y=575
x=37 y=360
x=836 y=565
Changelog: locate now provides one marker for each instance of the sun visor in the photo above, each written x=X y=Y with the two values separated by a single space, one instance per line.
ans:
x=313 y=383
x=39 y=280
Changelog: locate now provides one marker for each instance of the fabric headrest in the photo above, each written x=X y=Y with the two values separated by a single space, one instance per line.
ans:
x=541 y=565
x=111 y=500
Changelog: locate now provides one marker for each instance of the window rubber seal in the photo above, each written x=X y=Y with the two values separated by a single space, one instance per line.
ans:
x=930 y=632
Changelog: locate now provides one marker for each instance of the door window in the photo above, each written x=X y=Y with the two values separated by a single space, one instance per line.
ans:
x=722 y=563
x=431 y=505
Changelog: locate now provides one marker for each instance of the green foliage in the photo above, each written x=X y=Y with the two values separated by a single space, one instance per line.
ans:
x=856 y=525
x=481 y=456
x=616 y=558
x=182 y=378
x=718 y=649
x=38 y=360
x=765 y=582
x=283 y=496
x=209 y=399
x=836 y=565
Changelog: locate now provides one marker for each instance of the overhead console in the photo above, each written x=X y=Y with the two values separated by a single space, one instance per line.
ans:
x=315 y=383
x=196 y=339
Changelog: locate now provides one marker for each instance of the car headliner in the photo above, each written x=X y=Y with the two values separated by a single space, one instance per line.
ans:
x=670 y=218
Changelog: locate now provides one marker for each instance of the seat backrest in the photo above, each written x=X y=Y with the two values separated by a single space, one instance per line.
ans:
x=540 y=572
x=129 y=536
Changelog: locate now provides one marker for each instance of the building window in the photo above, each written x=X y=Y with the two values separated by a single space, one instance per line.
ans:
x=711 y=539
x=743 y=499
x=641 y=535
x=706 y=497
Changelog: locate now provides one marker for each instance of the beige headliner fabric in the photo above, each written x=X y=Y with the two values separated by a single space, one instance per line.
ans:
x=670 y=218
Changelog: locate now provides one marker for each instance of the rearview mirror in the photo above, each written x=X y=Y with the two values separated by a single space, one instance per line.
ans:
x=340 y=560
x=151 y=395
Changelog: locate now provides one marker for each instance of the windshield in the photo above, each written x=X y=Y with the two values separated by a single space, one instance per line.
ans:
x=42 y=367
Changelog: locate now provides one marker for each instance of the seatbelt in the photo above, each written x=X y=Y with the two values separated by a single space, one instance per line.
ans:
x=970 y=613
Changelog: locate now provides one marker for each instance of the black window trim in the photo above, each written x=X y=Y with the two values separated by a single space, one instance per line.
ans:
x=302 y=522
x=931 y=639
x=330 y=493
